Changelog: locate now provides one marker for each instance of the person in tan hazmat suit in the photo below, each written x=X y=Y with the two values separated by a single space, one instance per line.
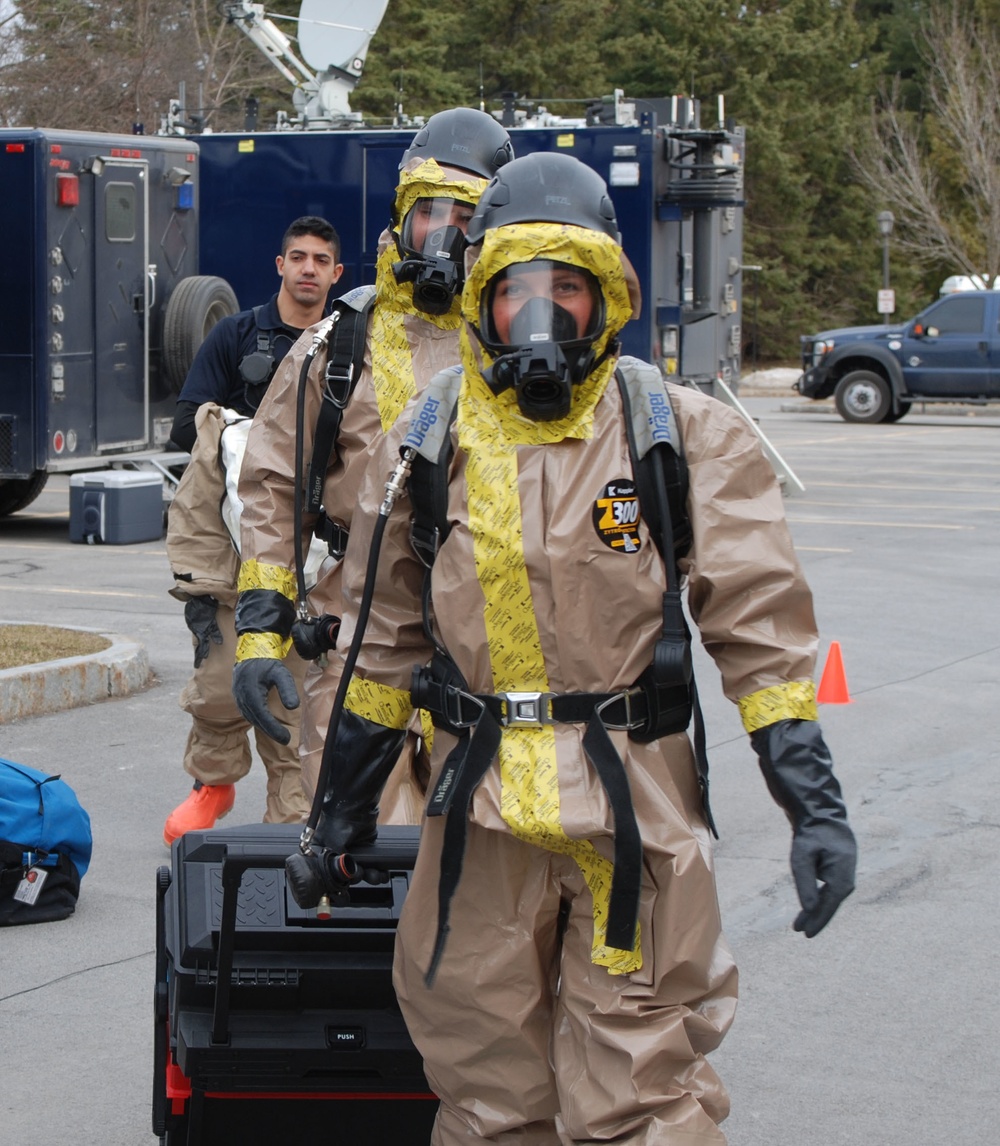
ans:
x=559 y=961
x=412 y=333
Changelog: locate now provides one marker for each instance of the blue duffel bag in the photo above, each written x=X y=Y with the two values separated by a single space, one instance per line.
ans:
x=45 y=845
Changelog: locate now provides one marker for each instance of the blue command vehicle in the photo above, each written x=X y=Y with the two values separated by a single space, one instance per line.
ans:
x=677 y=189
x=101 y=299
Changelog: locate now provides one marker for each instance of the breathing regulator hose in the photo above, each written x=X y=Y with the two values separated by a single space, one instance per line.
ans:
x=394 y=486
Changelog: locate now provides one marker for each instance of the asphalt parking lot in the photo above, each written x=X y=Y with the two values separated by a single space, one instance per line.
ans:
x=882 y=1030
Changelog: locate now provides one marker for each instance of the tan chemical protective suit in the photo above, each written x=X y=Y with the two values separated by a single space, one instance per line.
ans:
x=529 y=1036
x=205 y=563
x=405 y=349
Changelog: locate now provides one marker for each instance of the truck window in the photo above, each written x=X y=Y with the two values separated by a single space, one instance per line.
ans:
x=958 y=316
x=119 y=212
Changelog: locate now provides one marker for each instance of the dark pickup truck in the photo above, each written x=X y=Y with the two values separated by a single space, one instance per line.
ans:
x=949 y=353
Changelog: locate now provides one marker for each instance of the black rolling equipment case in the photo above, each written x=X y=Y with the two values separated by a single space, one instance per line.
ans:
x=273 y=1026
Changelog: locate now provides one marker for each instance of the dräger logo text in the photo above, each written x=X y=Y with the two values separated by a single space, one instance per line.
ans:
x=423 y=419
x=441 y=791
x=660 y=416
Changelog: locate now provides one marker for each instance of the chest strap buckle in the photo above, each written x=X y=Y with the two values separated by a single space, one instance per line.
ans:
x=526 y=709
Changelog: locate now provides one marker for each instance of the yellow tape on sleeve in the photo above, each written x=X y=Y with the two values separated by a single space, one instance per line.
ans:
x=794 y=700
x=257 y=575
x=252 y=645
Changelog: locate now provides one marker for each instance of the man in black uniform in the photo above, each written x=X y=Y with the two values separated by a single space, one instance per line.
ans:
x=241 y=353
x=227 y=380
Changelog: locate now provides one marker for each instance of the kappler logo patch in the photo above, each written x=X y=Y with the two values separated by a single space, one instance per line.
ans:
x=617 y=517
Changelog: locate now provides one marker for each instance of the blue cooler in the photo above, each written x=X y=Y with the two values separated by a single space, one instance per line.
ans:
x=117 y=507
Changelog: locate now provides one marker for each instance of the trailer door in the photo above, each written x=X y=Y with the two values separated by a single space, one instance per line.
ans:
x=381 y=174
x=121 y=304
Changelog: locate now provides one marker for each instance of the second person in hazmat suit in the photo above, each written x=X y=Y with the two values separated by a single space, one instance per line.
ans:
x=560 y=961
x=230 y=373
x=412 y=333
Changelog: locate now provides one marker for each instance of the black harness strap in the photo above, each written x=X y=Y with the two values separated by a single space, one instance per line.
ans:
x=470 y=759
x=626 y=878
x=467 y=763
x=345 y=358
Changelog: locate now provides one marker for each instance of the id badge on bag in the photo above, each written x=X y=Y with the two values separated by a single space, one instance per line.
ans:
x=30 y=887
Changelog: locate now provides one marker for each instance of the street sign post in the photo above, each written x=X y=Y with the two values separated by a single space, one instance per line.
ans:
x=887 y=302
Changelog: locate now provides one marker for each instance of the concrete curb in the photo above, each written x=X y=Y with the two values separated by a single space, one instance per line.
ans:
x=53 y=686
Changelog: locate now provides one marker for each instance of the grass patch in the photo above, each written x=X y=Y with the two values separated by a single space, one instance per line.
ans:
x=34 y=644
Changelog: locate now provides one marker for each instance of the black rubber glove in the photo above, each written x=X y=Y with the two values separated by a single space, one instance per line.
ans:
x=199 y=616
x=315 y=636
x=364 y=755
x=799 y=773
x=252 y=681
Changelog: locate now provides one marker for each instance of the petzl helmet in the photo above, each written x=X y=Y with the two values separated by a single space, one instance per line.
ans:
x=462 y=137
x=547 y=294
x=443 y=174
x=545 y=188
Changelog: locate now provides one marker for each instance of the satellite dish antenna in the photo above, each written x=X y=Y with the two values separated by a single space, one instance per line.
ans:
x=333 y=42
x=335 y=34
x=333 y=38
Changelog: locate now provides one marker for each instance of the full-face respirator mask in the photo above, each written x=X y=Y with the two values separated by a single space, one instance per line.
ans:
x=465 y=148
x=547 y=291
x=433 y=247
x=540 y=320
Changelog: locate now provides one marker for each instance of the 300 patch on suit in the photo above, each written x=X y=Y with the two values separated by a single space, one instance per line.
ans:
x=616 y=516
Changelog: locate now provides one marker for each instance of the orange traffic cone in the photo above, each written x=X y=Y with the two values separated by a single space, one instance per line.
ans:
x=833 y=683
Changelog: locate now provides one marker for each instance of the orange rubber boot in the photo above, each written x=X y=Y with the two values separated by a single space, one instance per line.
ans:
x=200 y=810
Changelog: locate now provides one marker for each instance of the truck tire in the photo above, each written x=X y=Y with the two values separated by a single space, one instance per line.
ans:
x=863 y=396
x=18 y=493
x=196 y=305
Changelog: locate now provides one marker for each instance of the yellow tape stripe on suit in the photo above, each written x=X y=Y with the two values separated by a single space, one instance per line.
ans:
x=392 y=361
x=794 y=700
x=379 y=703
x=529 y=801
x=392 y=356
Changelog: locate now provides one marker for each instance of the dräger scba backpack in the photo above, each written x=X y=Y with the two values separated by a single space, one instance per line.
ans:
x=45 y=846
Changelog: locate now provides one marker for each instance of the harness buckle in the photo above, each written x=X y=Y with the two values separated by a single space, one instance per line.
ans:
x=452 y=699
x=631 y=722
x=526 y=709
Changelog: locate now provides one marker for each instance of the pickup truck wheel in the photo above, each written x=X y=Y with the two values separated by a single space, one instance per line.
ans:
x=18 y=493
x=196 y=305
x=863 y=396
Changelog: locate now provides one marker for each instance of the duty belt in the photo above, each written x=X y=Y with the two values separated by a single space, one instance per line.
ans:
x=479 y=720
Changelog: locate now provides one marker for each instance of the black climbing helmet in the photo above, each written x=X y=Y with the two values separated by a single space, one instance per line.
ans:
x=547 y=187
x=465 y=138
